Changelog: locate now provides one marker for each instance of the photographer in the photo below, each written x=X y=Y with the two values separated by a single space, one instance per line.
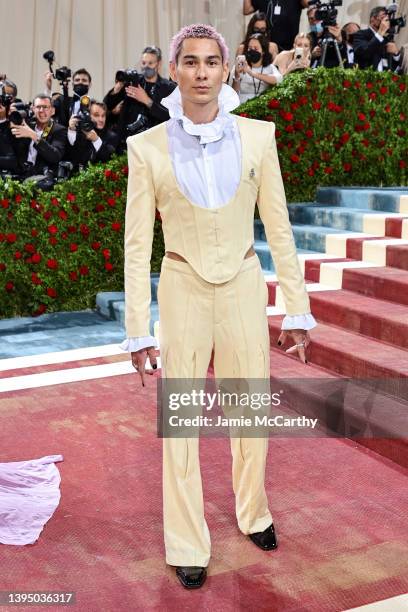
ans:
x=90 y=140
x=372 y=47
x=66 y=106
x=42 y=145
x=254 y=72
x=8 y=149
x=283 y=17
x=347 y=33
x=297 y=58
x=136 y=97
x=258 y=24
x=318 y=33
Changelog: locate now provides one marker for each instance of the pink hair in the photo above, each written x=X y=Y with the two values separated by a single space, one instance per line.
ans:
x=197 y=30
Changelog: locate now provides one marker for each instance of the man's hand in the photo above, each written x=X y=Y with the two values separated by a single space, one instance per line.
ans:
x=73 y=123
x=317 y=51
x=139 y=361
x=391 y=47
x=92 y=135
x=336 y=32
x=139 y=94
x=48 y=80
x=384 y=26
x=119 y=85
x=23 y=131
x=300 y=337
x=116 y=110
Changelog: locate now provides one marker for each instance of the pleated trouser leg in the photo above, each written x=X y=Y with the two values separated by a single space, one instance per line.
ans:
x=195 y=317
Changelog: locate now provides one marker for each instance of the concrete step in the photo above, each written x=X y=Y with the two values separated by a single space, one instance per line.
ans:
x=119 y=314
x=349 y=354
x=320 y=238
x=392 y=199
x=363 y=315
x=352 y=219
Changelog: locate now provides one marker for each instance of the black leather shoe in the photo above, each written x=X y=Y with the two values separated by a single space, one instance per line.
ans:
x=265 y=539
x=191 y=577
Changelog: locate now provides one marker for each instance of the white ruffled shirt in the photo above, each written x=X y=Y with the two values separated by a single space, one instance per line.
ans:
x=199 y=154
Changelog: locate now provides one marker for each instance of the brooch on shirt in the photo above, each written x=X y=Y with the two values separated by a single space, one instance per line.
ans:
x=252 y=173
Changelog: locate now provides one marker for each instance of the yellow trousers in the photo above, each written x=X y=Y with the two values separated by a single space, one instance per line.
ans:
x=195 y=318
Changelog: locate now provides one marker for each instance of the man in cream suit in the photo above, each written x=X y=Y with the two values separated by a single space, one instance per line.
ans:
x=204 y=170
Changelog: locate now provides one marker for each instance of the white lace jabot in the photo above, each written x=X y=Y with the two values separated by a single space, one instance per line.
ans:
x=228 y=99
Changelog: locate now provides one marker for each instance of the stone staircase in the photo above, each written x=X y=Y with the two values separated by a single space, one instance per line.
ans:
x=352 y=247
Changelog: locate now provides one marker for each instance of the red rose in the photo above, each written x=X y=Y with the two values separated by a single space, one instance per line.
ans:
x=372 y=113
x=361 y=116
x=269 y=118
x=9 y=215
x=294 y=158
x=278 y=133
x=316 y=105
x=73 y=247
x=62 y=214
x=71 y=197
x=402 y=87
x=11 y=237
x=290 y=129
x=84 y=270
x=383 y=90
x=387 y=108
x=287 y=116
x=71 y=229
x=18 y=255
x=36 y=206
x=54 y=201
x=274 y=103
x=30 y=248
x=99 y=208
x=18 y=197
x=106 y=253
x=108 y=266
x=96 y=245
x=328 y=170
x=125 y=170
x=309 y=133
x=9 y=286
x=402 y=117
x=53 y=229
x=294 y=106
x=298 y=125
x=116 y=226
x=40 y=310
x=346 y=83
x=51 y=292
x=372 y=95
x=118 y=194
x=111 y=201
x=302 y=100
x=402 y=163
x=5 y=203
x=34 y=233
x=369 y=85
x=345 y=138
x=52 y=264
x=73 y=276
x=36 y=258
x=347 y=167
x=101 y=225
x=35 y=279
x=311 y=172
x=401 y=133
x=84 y=229
x=107 y=173
x=331 y=106
x=243 y=115
x=365 y=142
x=53 y=240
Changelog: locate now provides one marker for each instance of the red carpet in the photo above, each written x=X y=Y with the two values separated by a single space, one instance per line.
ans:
x=340 y=511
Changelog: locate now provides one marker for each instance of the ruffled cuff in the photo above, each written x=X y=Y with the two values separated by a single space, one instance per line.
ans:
x=132 y=345
x=304 y=321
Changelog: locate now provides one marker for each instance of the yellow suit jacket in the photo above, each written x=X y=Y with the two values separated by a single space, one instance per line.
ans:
x=213 y=241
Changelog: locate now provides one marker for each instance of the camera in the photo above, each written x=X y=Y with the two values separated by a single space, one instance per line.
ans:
x=22 y=112
x=129 y=77
x=85 y=123
x=326 y=12
x=140 y=125
x=63 y=73
x=396 y=23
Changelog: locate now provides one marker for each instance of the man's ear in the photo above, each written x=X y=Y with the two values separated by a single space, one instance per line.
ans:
x=172 y=71
x=225 y=72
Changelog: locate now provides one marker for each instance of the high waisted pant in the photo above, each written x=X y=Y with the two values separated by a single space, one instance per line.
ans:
x=195 y=318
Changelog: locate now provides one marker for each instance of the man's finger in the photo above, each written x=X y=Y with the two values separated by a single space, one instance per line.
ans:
x=152 y=358
x=282 y=338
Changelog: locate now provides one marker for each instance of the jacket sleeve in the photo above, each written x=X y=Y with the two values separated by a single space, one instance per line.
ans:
x=364 y=49
x=275 y=217
x=53 y=151
x=139 y=226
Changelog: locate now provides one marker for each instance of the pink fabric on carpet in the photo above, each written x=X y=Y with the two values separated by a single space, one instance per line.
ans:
x=29 y=495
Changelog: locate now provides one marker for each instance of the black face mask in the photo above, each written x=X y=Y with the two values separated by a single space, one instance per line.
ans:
x=253 y=56
x=262 y=31
x=80 y=89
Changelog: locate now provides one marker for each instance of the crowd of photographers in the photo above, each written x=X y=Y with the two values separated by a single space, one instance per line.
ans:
x=59 y=134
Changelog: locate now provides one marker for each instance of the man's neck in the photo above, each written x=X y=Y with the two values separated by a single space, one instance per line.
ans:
x=152 y=79
x=41 y=126
x=201 y=113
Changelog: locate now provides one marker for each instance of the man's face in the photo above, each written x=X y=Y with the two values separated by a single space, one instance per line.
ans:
x=43 y=110
x=199 y=71
x=376 y=21
x=260 y=27
x=98 y=116
x=81 y=79
x=9 y=91
x=351 y=29
x=149 y=60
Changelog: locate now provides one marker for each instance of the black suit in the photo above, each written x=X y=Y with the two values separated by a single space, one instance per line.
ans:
x=369 y=51
x=8 y=149
x=83 y=151
x=132 y=108
x=64 y=108
x=50 y=150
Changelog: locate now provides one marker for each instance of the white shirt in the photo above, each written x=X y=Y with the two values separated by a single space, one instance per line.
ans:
x=383 y=63
x=250 y=86
x=198 y=154
x=32 y=151
x=72 y=138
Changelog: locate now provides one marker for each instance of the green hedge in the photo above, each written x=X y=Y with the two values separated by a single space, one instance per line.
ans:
x=333 y=127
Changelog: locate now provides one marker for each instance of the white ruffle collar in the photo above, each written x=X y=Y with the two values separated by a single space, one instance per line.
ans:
x=228 y=99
